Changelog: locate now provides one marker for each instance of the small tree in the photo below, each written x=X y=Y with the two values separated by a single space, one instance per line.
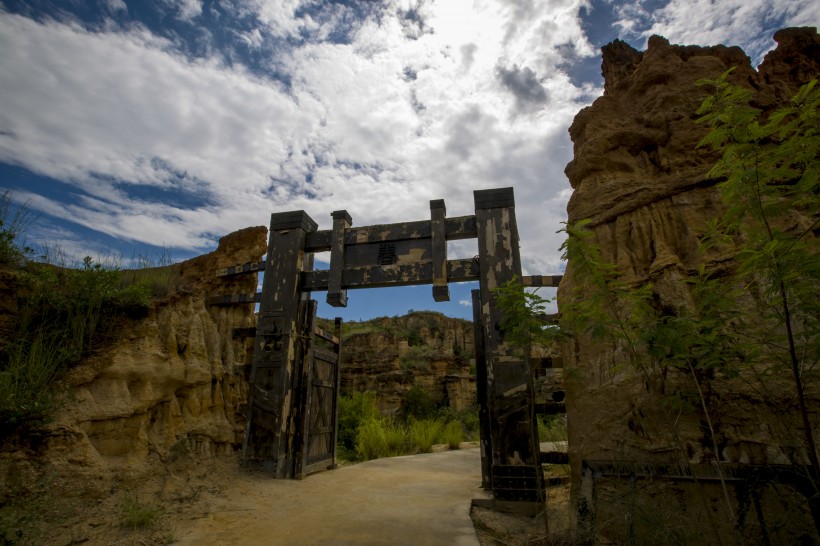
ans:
x=770 y=186
x=524 y=321
x=761 y=309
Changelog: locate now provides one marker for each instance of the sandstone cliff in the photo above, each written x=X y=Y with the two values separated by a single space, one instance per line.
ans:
x=168 y=391
x=390 y=355
x=639 y=178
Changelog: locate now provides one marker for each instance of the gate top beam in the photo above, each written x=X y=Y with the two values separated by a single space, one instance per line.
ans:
x=455 y=228
x=397 y=275
x=401 y=254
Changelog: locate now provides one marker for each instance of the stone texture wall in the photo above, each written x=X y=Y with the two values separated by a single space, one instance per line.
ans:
x=639 y=178
x=171 y=385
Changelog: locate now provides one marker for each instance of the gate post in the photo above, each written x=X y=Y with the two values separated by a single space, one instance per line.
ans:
x=279 y=347
x=515 y=471
x=484 y=411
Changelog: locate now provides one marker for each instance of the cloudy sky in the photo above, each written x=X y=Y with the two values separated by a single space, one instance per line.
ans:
x=139 y=127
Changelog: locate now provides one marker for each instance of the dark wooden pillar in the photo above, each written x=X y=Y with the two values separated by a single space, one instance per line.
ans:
x=515 y=471
x=441 y=292
x=336 y=296
x=278 y=347
x=484 y=411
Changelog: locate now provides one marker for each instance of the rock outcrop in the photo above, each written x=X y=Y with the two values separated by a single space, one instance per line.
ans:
x=170 y=386
x=640 y=179
x=388 y=356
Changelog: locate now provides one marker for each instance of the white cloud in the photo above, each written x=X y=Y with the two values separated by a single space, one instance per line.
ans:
x=465 y=303
x=185 y=9
x=115 y=5
x=377 y=126
x=746 y=23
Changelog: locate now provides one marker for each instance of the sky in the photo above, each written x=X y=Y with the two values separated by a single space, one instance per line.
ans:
x=150 y=128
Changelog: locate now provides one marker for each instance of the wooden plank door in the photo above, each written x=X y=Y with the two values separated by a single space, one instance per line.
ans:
x=320 y=391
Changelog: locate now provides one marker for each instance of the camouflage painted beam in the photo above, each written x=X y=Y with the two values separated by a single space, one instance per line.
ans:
x=396 y=275
x=336 y=295
x=456 y=228
x=441 y=292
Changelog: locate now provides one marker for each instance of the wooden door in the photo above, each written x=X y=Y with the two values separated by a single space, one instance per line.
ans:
x=318 y=425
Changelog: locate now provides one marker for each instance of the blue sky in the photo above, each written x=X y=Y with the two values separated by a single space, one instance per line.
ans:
x=137 y=128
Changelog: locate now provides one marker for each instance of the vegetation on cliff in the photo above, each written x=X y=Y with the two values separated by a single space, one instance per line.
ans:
x=58 y=316
x=754 y=312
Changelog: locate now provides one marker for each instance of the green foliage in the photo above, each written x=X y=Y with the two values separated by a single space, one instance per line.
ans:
x=467 y=419
x=423 y=434
x=371 y=442
x=524 y=312
x=602 y=305
x=13 y=252
x=552 y=428
x=136 y=515
x=418 y=357
x=395 y=437
x=414 y=338
x=62 y=315
x=26 y=379
x=452 y=434
x=365 y=434
x=418 y=403
x=769 y=171
x=358 y=408
x=380 y=437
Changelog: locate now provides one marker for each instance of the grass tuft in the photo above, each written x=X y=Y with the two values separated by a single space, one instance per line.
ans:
x=452 y=434
x=423 y=434
x=136 y=515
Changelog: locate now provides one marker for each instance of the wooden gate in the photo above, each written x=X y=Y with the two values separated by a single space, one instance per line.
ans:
x=317 y=414
x=303 y=416
x=291 y=428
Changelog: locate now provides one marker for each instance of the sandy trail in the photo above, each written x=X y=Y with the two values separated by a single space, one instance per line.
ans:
x=412 y=500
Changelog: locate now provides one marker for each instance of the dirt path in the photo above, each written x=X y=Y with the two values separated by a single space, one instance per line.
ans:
x=413 y=500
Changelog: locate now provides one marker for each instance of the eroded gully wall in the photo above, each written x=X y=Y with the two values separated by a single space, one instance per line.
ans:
x=639 y=178
x=172 y=385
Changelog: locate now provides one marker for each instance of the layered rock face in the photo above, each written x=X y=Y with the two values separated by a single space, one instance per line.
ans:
x=171 y=384
x=388 y=356
x=640 y=179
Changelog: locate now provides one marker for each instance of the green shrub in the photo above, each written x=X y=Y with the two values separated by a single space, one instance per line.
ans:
x=26 y=396
x=552 y=428
x=414 y=337
x=12 y=227
x=395 y=438
x=418 y=403
x=136 y=515
x=380 y=437
x=423 y=434
x=371 y=442
x=452 y=434
x=467 y=418
x=62 y=314
x=417 y=357
x=354 y=410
